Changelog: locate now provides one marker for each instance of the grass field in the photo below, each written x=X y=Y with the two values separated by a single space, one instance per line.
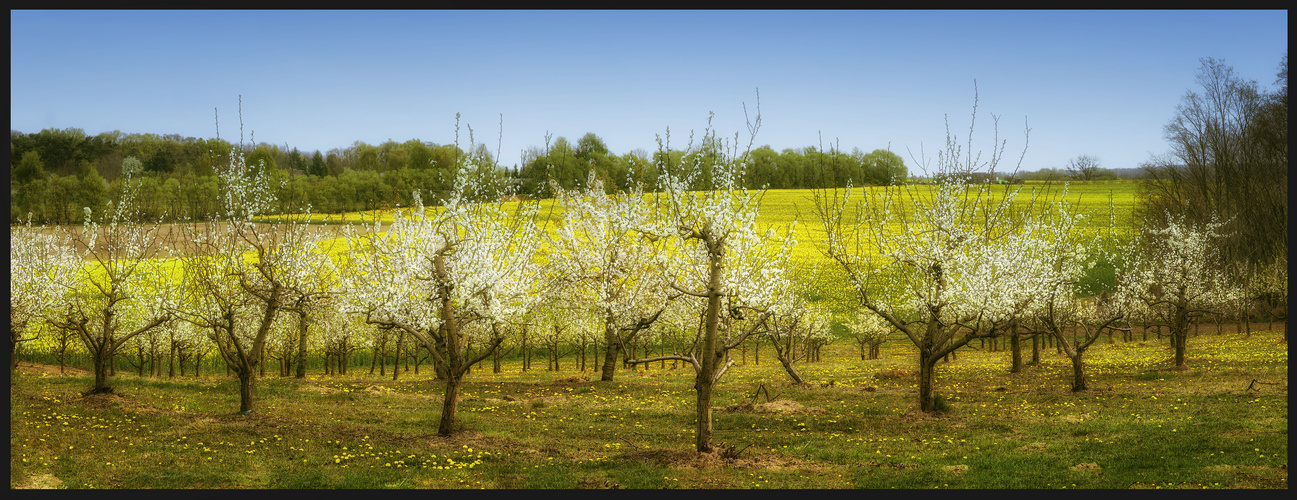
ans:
x=1220 y=424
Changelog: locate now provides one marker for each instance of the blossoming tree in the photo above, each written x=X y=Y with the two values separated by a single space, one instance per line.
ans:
x=932 y=262
x=1055 y=253
x=605 y=258
x=37 y=259
x=870 y=332
x=737 y=269
x=245 y=274
x=443 y=275
x=801 y=326
x=124 y=288
x=1179 y=277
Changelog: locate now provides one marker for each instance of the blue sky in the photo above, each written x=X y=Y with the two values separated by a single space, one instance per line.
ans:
x=1102 y=83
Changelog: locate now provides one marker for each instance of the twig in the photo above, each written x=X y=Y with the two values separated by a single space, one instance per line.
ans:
x=760 y=389
x=1255 y=382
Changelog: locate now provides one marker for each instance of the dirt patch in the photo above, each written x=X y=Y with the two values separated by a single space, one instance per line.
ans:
x=471 y=438
x=559 y=398
x=41 y=482
x=318 y=389
x=896 y=373
x=688 y=459
x=956 y=469
x=917 y=415
x=590 y=483
x=1244 y=468
x=780 y=406
x=108 y=400
x=68 y=371
x=1033 y=447
x=1085 y=467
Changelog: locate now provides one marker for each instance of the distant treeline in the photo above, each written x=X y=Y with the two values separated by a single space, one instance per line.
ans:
x=55 y=173
x=1102 y=174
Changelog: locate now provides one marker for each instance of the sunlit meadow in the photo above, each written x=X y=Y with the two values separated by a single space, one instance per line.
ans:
x=1220 y=424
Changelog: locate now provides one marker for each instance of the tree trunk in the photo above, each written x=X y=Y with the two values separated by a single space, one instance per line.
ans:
x=155 y=363
x=710 y=355
x=1078 y=372
x=301 y=345
x=612 y=347
x=785 y=358
x=1180 y=339
x=449 y=406
x=247 y=378
x=525 y=350
x=139 y=369
x=13 y=350
x=1180 y=332
x=703 y=386
x=1015 y=345
x=583 y=354
x=102 y=362
x=927 y=369
x=396 y=363
x=792 y=371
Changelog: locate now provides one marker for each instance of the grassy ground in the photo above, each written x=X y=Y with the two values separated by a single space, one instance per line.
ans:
x=1142 y=426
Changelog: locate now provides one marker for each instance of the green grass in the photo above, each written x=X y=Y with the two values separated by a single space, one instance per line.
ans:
x=1145 y=426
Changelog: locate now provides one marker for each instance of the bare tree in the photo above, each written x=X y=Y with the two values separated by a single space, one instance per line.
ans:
x=1229 y=159
x=1083 y=168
